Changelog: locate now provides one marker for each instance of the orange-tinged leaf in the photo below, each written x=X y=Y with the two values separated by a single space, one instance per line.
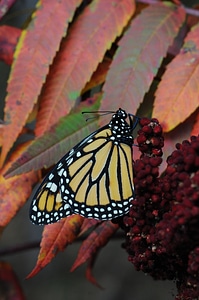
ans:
x=10 y=287
x=2 y=124
x=89 y=38
x=13 y=194
x=98 y=76
x=55 y=238
x=98 y=238
x=177 y=96
x=139 y=56
x=8 y=40
x=34 y=53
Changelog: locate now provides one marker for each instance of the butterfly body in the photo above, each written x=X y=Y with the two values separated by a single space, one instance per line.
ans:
x=94 y=179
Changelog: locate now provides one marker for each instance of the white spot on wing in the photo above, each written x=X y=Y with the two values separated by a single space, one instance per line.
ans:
x=50 y=177
x=69 y=161
x=34 y=208
x=66 y=206
x=59 y=165
x=61 y=172
x=78 y=154
x=53 y=188
x=71 y=151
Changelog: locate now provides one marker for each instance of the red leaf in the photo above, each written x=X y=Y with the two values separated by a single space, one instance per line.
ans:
x=89 y=274
x=139 y=56
x=88 y=40
x=177 y=96
x=33 y=56
x=195 y=129
x=8 y=40
x=98 y=238
x=55 y=238
x=13 y=194
x=10 y=287
x=87 y=224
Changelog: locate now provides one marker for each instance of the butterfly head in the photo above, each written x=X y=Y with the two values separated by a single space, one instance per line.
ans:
x=121 y=130
x=121 y=114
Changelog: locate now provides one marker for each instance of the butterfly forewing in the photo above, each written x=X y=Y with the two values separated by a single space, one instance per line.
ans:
x=95 y=179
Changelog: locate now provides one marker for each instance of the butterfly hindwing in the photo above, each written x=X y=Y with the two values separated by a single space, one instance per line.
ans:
x=47 y=206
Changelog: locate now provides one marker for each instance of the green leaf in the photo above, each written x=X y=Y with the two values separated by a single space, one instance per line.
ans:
x=49 y=148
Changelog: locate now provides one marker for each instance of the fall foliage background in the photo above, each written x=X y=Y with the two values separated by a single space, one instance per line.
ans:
x=63 y=58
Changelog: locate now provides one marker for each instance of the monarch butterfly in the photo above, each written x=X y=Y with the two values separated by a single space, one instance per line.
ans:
x=94 y=179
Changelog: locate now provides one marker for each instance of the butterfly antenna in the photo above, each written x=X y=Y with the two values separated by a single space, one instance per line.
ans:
x=91 y=118
x=102 y=112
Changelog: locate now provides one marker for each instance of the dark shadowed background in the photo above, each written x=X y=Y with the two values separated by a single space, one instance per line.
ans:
x=112 y=270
